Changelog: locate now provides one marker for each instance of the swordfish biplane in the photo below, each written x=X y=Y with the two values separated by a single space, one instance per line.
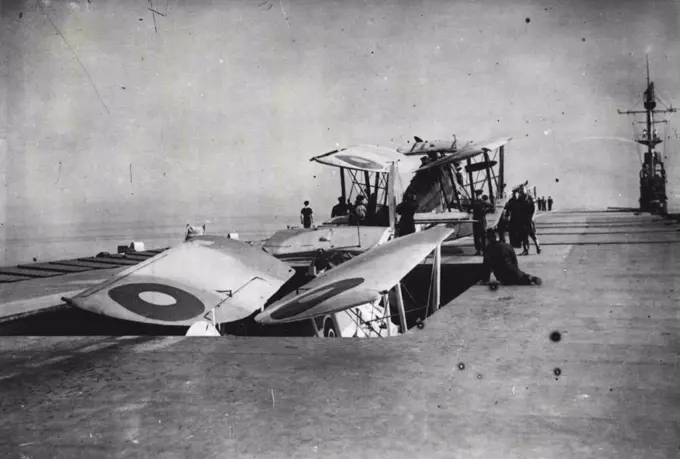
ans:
x=443 y=192
x=207 y=281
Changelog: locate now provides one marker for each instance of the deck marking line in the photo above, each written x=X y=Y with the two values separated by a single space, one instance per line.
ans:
x=156 y=345
x=95 y=347
x=49 y=361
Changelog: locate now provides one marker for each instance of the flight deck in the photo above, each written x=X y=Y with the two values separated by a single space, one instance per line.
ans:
x=584 y=366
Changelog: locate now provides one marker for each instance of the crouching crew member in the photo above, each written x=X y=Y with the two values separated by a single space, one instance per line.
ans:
x=501 y=260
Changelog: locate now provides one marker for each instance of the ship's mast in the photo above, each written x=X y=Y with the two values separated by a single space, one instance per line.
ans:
x=653 y=174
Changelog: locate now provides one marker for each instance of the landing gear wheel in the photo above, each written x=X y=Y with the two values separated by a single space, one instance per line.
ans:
x=493 y=285
x=329 y=330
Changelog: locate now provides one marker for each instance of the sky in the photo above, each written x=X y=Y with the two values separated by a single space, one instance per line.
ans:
x=217 y=107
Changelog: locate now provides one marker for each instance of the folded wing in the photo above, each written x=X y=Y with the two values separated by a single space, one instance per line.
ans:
x=369 y=158
x=186 y=282
x=358 y=281
x=468 y=151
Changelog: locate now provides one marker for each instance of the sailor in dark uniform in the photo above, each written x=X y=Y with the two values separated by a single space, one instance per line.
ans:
x=512 y=213
x=407 y=209
x=306 y=215
x=480 y=207
x=340 y=209
x=501 y=260
x=527 y=208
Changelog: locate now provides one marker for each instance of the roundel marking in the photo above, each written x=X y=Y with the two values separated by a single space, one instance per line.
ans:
x=157 y=298
x=183 y=305
x=361 y=162
x=305 y=302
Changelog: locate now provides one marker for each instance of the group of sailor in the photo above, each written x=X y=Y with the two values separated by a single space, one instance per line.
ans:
x=543 y=204
x=517 y=219
x=500 y=258
x=358 y=212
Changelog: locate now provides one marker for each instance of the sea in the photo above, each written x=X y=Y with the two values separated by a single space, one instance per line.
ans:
x=59 y=241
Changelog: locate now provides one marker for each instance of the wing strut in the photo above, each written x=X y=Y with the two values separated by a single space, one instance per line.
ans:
x=391 y=198
x=402 y=311
x=436 y=287
x=388 y=316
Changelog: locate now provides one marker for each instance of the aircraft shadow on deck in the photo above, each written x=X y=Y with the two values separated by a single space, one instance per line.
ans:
x=71 y=321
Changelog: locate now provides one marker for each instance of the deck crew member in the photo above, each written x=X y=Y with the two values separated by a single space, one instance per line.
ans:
x=512 y=215
x=407 y=209
x=358 y=212
x=306 y=216
x=480 y=207
x=550 y=203
x=501 y=260
x=527 y=211
x=340 y=208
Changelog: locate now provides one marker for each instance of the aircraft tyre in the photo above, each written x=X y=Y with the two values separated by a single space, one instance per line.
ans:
x=329 y=330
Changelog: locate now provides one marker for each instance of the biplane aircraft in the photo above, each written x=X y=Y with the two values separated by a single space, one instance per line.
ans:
x=443 y=194
x=343 y=276
x=212 y=280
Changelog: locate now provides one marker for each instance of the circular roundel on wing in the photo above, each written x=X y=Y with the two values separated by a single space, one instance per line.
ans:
x=360 y=162
x=307 y=301
x=169 y=304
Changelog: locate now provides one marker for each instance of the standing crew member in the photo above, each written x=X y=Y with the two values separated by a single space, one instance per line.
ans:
x=513 y=215
x=340 y=208
x=407 y=209
x=501 y=260
x=306 y=217
x=528 y=208
x=358 y=213
x=550 y=203
x=479 y=209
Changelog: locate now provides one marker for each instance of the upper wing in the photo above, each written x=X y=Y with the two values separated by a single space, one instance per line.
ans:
x=358 y=281
x=368 y=158
x=181 y=284
x=421 y=147
x=468 y=151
